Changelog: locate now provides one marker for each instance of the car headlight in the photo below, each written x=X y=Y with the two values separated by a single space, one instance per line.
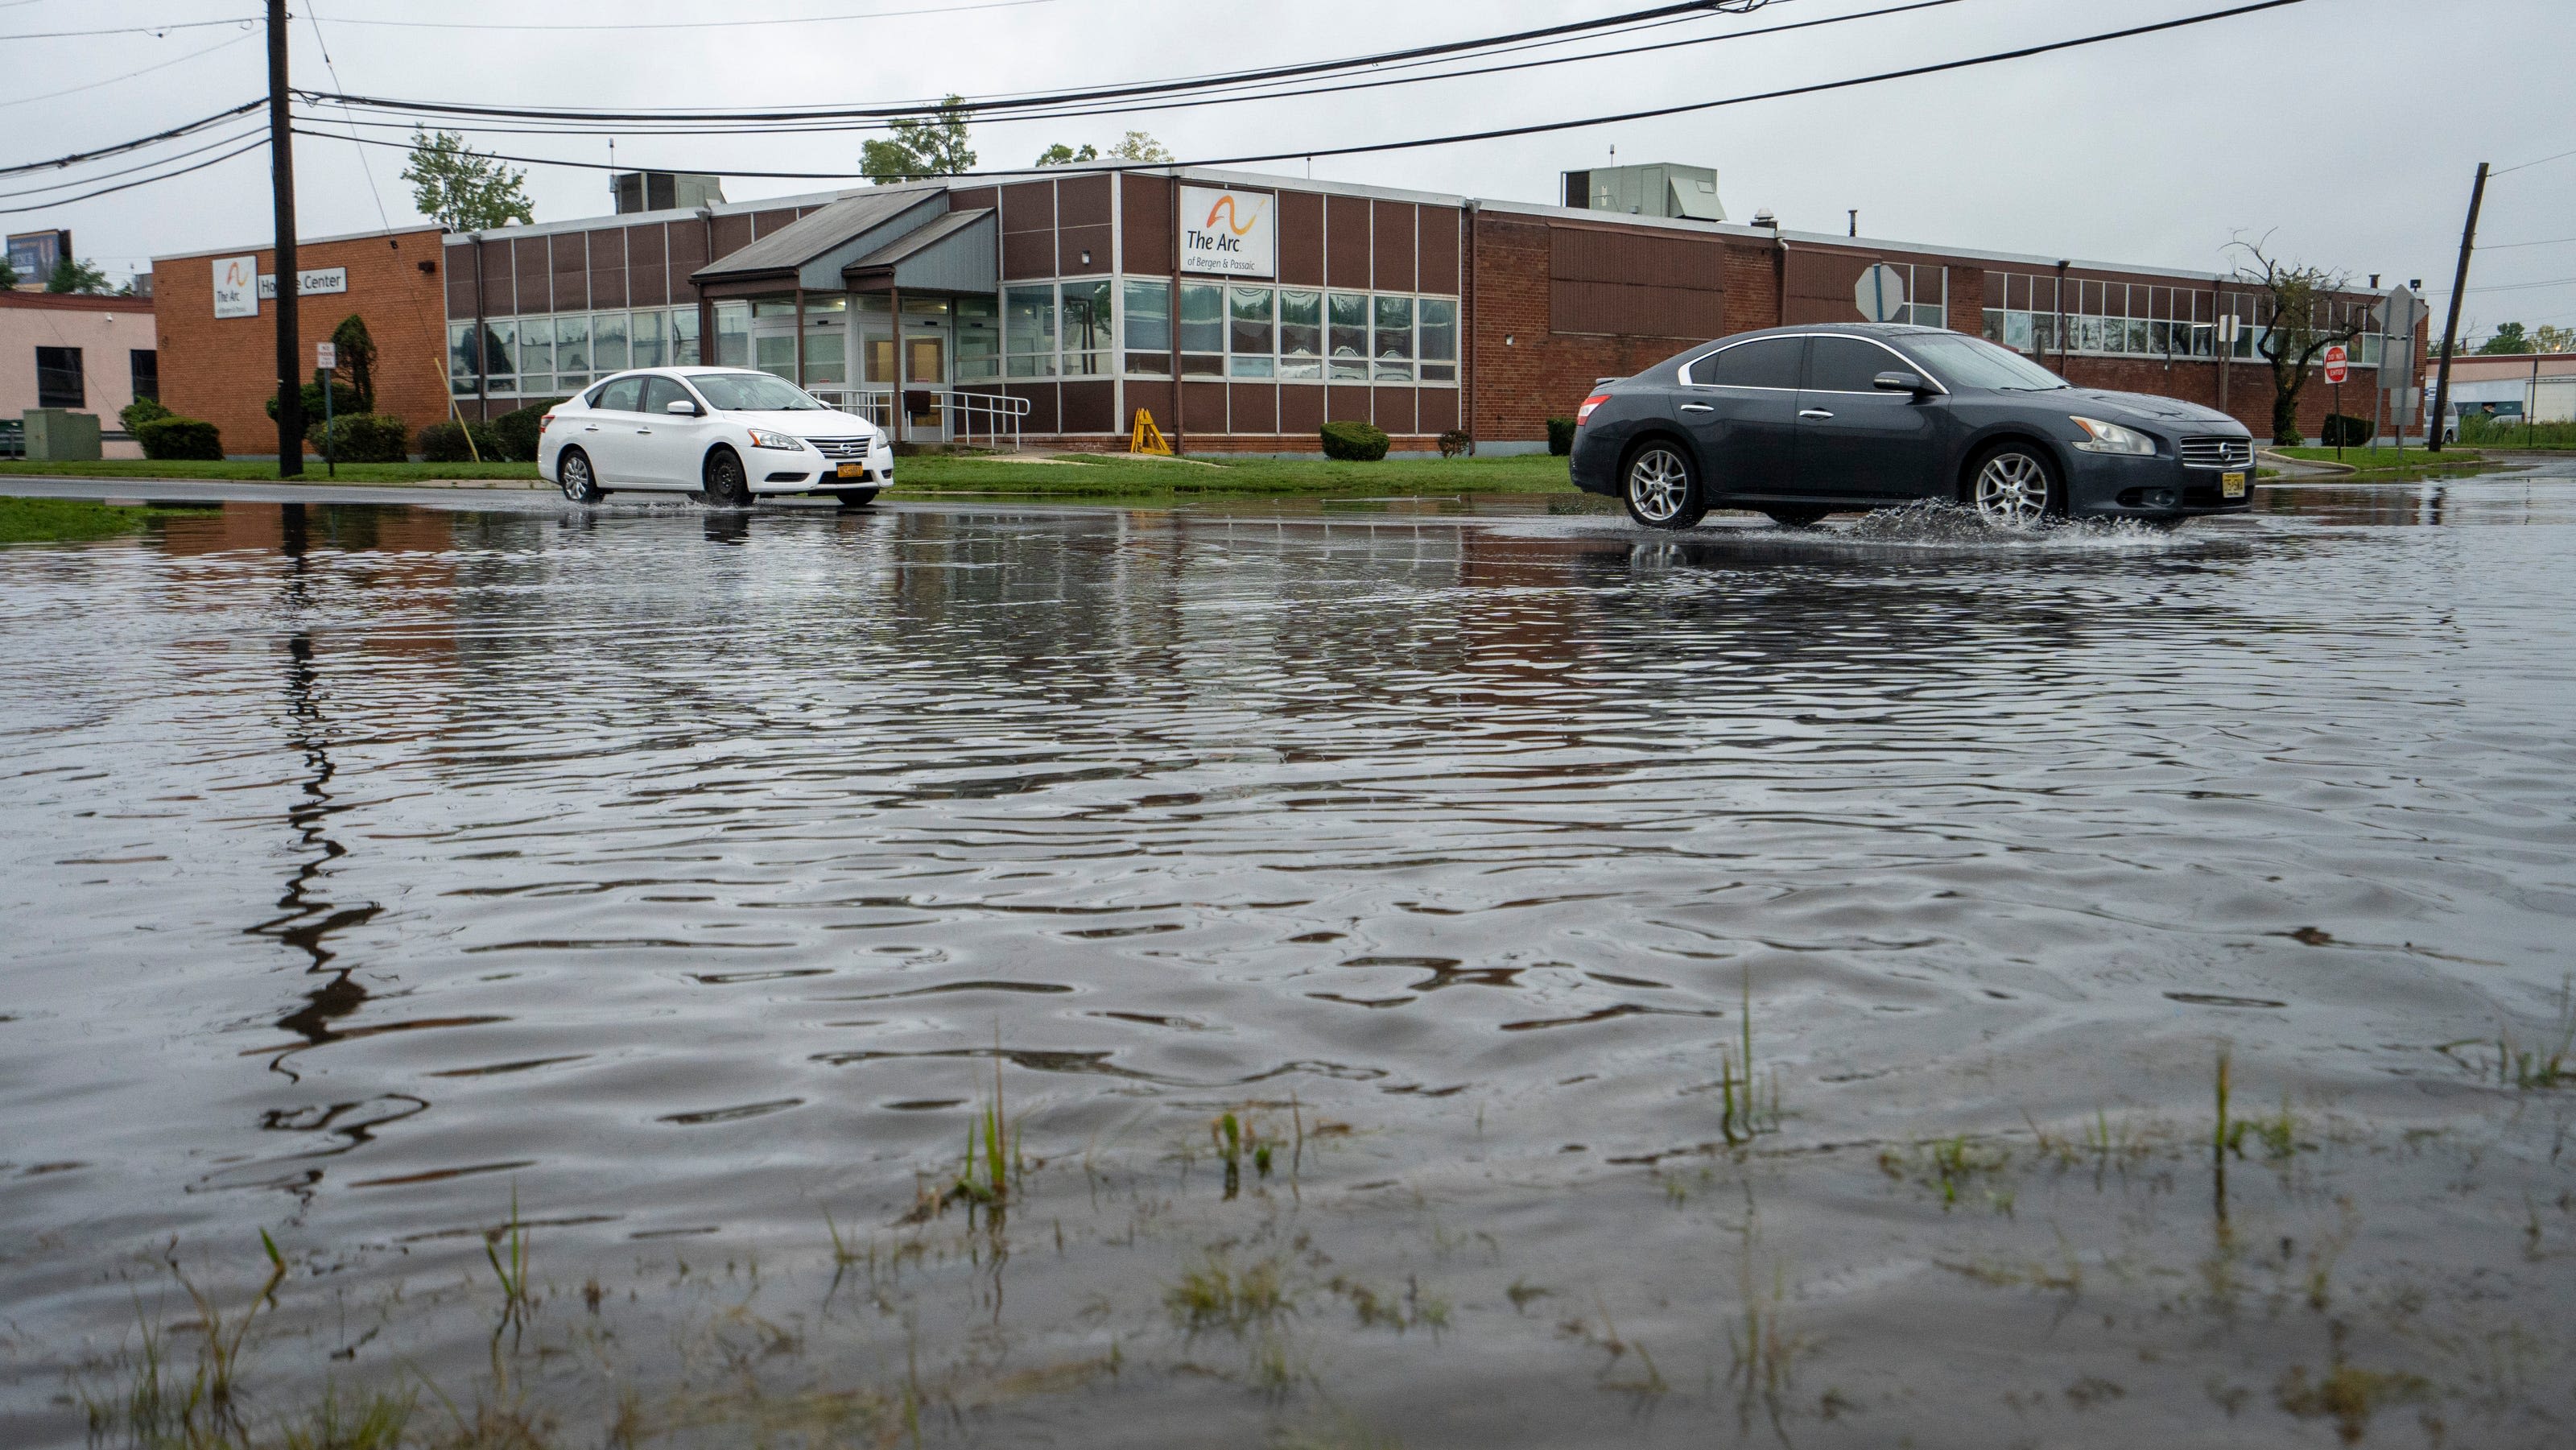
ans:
x=2112 y=438
x=789 y=442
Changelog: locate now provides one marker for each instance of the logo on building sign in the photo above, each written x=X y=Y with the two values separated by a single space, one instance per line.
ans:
x=237 y=286
x=1229 y=232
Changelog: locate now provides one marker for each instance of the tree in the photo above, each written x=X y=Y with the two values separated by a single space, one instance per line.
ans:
x=2293 y=336
x=8 y=275
x=921 y=147
x=461 y=189
x=355 y=351
x=2547 y=338
x=73 y=275
x=2507 y=339
x=1136 y=146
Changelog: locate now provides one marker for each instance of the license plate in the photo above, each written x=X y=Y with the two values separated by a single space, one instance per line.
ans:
x=860 y=470
x=2230 y=485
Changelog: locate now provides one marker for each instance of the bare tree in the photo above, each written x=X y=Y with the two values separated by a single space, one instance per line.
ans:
x=2300 y=328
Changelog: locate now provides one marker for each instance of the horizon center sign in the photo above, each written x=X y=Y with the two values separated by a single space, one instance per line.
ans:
x=1229 y=232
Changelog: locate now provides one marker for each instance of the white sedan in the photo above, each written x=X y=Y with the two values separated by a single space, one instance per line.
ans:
x=728 y=433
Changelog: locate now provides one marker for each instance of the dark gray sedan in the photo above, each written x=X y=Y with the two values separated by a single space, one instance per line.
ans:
x=1800 y=422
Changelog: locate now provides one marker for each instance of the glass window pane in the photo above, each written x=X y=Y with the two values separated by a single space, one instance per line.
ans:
x=607 y=342
x=1089 y=328
x=536 y=345
x=1391 y=340
x=1845 y=365
x=684 y=337
x=501 y=346
x=1202 y=317
x=1995 y=325
x=827 y=356
x=460 y=357
x=572 y=351
x=1765 y=362
x=1439 y=330
x=1347 y=338
x=651 y=349
x=1251 y=335
x=774 y=307
x=775 y=353
x=2137 y=330
x=979 y=343
x=1028 y=331
x=733 y=336
x=2017 y=331
x=1301 y=333
x=1149 y=317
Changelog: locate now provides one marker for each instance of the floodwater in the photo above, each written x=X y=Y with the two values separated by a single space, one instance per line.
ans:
x=375 y=874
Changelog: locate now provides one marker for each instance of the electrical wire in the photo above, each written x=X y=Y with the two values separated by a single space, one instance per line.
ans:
x=1332 y=88
x=701 y=24
x=120 y=148
x=219 y=142
x=1098 y=93
x=130 y=75
x=130 y=185
x=2527 y=165
x=1493 y=134
x=151 y=30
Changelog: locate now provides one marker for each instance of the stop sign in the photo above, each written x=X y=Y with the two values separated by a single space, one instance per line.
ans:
x=2338 y=364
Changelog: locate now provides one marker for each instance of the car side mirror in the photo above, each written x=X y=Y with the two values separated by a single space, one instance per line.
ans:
x=681 y=406
x=1893 y=381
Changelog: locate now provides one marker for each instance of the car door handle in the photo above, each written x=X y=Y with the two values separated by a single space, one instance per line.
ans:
x=590 y=427
x=1813 y=413
x=643 y=430
x=1697 y=408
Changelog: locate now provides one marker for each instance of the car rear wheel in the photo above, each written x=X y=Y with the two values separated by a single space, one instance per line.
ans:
x=1796 y=517
x=1663 y=488
x=856 y=498
x=727 y=486
x=574 y=475
x=2016 y=486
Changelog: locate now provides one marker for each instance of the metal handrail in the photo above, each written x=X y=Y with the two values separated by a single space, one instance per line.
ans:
x=996 y=415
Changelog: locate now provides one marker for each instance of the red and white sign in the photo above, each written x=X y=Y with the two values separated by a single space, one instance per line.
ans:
x=2338 y=364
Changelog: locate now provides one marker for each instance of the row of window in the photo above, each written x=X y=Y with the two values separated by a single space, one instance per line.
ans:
x=1093 y=328
x=63 y=382
x=2040 y=332
x=2040 y=314
x=547 y=356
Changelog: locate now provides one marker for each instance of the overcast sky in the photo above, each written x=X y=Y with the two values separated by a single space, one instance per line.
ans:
x=2348 y=129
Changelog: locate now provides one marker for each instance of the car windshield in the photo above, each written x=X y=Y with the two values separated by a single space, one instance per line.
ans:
x=754 y=393
x=1971 y=362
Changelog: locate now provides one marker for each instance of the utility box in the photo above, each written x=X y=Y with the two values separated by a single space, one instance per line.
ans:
x=1661 y=189
x=664 y=190
x=59 y=435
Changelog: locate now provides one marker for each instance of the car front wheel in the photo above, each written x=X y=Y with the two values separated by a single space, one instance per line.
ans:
x=1663 y=488
x=856 y=498
x=727 y=486
x=573 y=474
x=2016 y=486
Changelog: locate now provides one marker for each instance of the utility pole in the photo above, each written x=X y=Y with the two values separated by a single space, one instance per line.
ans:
x=281 y=171
x=2451 y=330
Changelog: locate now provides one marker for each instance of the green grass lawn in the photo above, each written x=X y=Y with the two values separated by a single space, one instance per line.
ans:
x=1039 y=475
x=69 y=521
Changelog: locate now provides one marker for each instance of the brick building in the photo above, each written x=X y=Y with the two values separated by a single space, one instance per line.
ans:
x=1241 y=311
x=224 y=369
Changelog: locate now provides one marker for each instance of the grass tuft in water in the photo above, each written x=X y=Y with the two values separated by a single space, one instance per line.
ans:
x=157 y=1409
x=1214 y=1296
x=1742 y=1112
x=511 y=1269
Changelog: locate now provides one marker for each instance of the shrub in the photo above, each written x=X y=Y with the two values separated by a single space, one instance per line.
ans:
x=2477 y=429
x=2345 y=431
x=514 y=434
x=344 y=401
x=1455 y=442
x=177 y=437
x=362 y=438
x=1354 y=442
x=1560 y=436
x=139 y=412
x=446 y=443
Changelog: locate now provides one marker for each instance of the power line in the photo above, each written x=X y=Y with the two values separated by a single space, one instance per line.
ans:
x=1497 y=133
x=255 y=145
x=701 y=24
x=2509 y=246
x=129 y=75
x=1098 y=93
x=670 y=128
x=152 y=30
x=96 y=177
x=137 y=144
x=2527 y=165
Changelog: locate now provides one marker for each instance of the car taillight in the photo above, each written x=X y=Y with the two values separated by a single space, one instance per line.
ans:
x=545 y=422
x=1585 y=412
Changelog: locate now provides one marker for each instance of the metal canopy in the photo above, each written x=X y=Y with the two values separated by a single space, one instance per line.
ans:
x=956 y=253
x=811 y=251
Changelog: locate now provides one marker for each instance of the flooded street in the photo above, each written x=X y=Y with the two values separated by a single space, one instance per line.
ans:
x=1442 y=973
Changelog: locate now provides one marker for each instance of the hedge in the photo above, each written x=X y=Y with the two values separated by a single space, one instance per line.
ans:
x=344 y=401
x=139 y=412
x=2342 y=430
x=1560 y=436
x=1455 y=442
x=177 y=437
x=1354 y=442
x=445 y=443
x=362 y=438
x=515 y=433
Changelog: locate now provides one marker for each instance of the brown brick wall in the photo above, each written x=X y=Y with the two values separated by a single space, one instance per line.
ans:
x=223 y=370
